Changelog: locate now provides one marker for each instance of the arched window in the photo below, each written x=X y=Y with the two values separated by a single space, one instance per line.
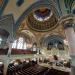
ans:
x=34 y=46
x=14 y=45
x=20 y=43
x=0 y=40
x=25 y=45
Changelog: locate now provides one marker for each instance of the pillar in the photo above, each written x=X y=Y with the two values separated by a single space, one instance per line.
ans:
x=7 y=58
x=70 y=35
x=10 y=41
x=6 y=63
x=10 y=48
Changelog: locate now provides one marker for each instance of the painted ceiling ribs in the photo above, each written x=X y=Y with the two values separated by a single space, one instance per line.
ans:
x=68 y=5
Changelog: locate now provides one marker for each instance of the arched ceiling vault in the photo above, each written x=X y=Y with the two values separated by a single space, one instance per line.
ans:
x=58 y=7
x=53 y=39
x=34 y=6
x=54 y=6
x=28 y=35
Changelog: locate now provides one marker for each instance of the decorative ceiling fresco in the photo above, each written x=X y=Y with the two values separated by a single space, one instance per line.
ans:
x=35 y=10
x=37 y=17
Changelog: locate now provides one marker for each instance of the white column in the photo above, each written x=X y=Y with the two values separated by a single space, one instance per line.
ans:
x=6 y=63
x=10 y=49
x=70 y=35
x=10 y=41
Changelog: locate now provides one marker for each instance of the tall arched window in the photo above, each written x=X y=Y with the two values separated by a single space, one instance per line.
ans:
x=25 y=45
x=14 y=45
x=34 y=46
x=0 y=40
x=20 y=43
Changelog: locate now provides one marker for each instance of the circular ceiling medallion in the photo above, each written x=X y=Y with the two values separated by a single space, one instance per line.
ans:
x=42 y=14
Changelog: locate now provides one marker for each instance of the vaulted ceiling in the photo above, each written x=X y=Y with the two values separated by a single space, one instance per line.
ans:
x=61 y=7
x=37 y=17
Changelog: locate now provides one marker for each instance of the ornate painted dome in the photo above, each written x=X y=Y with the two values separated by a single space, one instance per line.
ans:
x=42 y=19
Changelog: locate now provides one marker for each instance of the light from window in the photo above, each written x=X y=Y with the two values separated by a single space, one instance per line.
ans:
x=25 y=46
x=34 y=48
x=14 y=45
x=20 y=43
x=0 y=40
